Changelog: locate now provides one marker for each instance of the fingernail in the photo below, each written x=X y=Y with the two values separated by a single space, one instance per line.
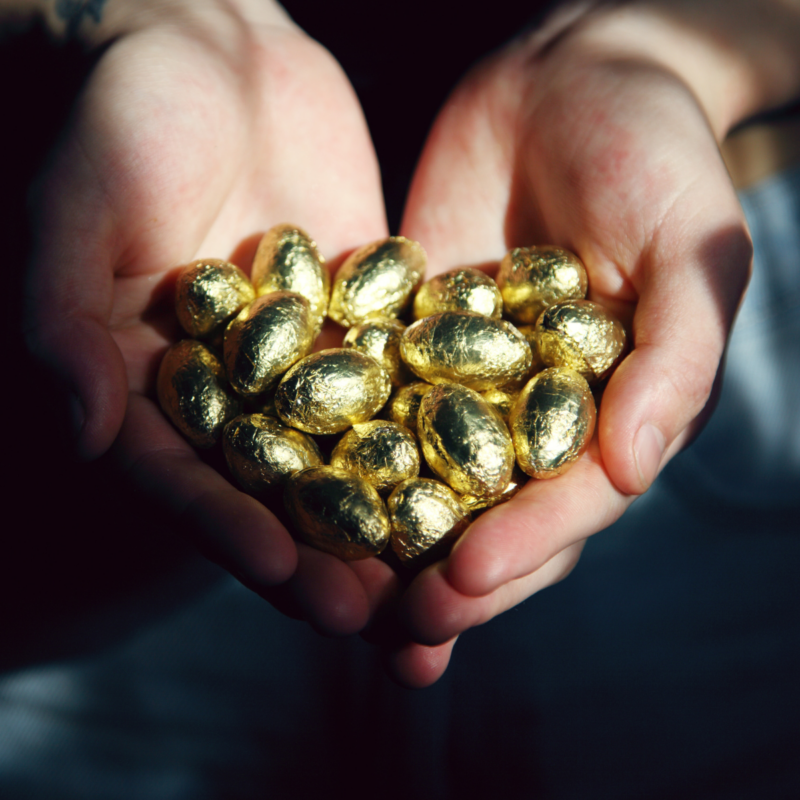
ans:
x=648 y=449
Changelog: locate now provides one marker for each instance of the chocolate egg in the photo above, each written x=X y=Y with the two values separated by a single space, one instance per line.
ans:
x=426 y=518
x=262 y=452
x=403 y=405
x=533 y=278
x=377 y=279
x=265 y=339
x=580 y=335
x=529 y=332
x=337 y=512
x=477 y=505
x=208 y=294
x=383 y=453
x=194 y=393
x=461 y=347
x=379 y=337
x=287 y=260
x=501 y=401
x=464 y=441
x=329 y=391
x=552 y=422
x=459 y=290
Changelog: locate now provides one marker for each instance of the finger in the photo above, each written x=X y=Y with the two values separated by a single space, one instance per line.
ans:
x=417 y=666
x=434 y=612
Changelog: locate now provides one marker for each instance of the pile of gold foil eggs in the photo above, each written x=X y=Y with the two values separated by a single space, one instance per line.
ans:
x=493 y=379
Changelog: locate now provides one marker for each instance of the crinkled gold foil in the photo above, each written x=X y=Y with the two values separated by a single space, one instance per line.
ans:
x=383 y=453
x=287 y=260
x=533 y=278
x=403 y=405
x=501 y=401
x=477 y=505
x=379 y=337
x=581 y=335
x=337 y=512
x=208 y=294
x=426 y=518
x=377 y=279
x=265 y=339
x=194 y=393
x=262 y=452
x=552 y=422
x=529 y=332
x=461 y=347
x=464 y=441
x=459 y=290
x=331 y=390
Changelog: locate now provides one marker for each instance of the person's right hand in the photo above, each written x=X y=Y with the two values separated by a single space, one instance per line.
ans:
x=203 y=124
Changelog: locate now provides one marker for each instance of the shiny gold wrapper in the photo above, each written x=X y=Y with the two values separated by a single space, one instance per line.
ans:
x=403 y=405
x=383 y=453
x=552 y=422
x=331 y=390
x=287 y=260
x=461 y=347
x=459 y=290
x=426 y=518
x=262 y=452
x=581 y=335
x=529 y=332
x=464 y=441
x=337 y=512
x=379 y=337
x=208 y=294
x=265 y=339
x=377 y=279
x=194 y=393
x=533 y=278
x=477 y=505
x=501 y=401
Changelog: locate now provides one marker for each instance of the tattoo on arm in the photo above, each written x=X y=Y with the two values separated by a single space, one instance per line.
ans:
x=74 y=12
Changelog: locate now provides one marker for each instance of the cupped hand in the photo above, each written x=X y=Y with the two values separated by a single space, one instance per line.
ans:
x=590 y=141
x=200 y=127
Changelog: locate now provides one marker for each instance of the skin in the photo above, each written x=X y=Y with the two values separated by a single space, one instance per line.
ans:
x=599 y=132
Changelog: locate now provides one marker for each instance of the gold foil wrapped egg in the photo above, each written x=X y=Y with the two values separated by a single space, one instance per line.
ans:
x=377 y=279
x=459 y=290
x=426 y=518
x=501 y=401
x=464 y=441
x=265 y=339
x=337 y=512
x=379 y=337
x=477 y=505
x=194 y=393
x=461 y=347
x=383 y=453
x=533 y=278
x=208 y=294
x=329 y=391
x=262 y=452
x=287 y=260
x=403 y=405
x=552 y=422
x=581 y=335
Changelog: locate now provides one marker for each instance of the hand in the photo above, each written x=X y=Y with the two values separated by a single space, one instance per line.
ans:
x=200 y=126
x=600 y=134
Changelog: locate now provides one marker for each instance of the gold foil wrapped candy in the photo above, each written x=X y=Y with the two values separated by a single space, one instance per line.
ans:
x=464 y=441
x=477 y=505
x=426 y=518
x=331 y=390
x=377 y=279
x=403 y=405
x=208 y=294
x=338 y=512
x=265 y=339
x=533 y=278
x=379 y=337
x=461 y=347
x=581 y=335
x=261 y=452
x=194 y=393
x=383 y=453
x=287 y=260
x=501 y=401
x=459 y=290
x=552 y=422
